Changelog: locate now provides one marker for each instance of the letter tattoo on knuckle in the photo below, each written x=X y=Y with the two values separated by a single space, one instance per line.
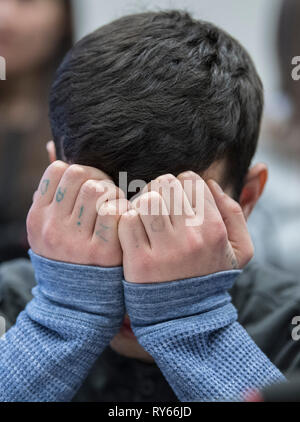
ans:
x=80 y=215
x=102 y=232
x=44 y=186
x=60 y=194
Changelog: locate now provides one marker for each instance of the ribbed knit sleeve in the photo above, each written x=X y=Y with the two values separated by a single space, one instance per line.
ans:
x=75 y=312
x=190 y=328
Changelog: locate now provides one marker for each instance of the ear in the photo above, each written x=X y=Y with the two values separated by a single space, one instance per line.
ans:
x=51 y=151
x=253 y=188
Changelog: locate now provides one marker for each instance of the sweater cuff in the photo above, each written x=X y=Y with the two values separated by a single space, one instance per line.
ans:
x=83 y=287
x=153 y=303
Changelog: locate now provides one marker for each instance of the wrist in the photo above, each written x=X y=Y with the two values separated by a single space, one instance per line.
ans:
x=87 y=288
x=153 y=303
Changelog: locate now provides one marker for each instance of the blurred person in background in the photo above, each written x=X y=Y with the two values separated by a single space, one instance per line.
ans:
x=34 y=36
x=275 y=223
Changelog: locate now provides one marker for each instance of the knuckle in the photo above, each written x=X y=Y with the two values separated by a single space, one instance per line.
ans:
x=58 y=166
x=100 y=186
x=147 y=201
x=113 y=192
x=107 y=188
x=189 y=174
x=56 y=169
x=168 y=176
x=50 y=235
x=166 y=185
x=166 y=179
x=195 y=241
x=75 y=171
x=31 y=221
x=104 y=186
x=152 y=196
x=89 y=188
x=218 y=233
x=106 y=194
x=34 y=217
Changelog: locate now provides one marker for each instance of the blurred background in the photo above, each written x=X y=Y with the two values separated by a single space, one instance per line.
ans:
x=34 y=36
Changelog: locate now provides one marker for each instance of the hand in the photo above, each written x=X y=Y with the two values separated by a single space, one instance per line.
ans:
x=164 y=247
x=75 y=214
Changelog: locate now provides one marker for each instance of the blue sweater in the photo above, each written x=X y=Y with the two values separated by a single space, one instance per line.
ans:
x=189 y=326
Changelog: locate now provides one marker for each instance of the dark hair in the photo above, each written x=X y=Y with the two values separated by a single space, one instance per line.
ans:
x=157 y=93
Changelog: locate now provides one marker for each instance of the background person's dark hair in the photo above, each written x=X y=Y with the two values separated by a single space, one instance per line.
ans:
x=157 y=93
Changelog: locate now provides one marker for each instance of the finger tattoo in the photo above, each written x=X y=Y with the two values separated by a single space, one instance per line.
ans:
x=45 y=186
x=60 y=195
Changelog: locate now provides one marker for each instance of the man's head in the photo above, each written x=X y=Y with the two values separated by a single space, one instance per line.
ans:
x=157 y=93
